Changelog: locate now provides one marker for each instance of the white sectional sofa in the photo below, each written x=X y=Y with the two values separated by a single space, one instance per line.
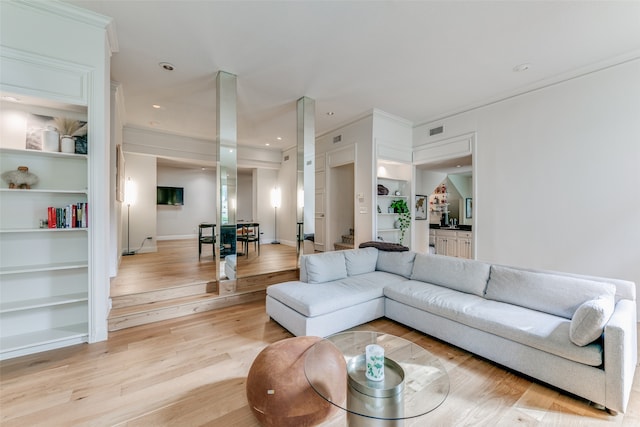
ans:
x=575 y=332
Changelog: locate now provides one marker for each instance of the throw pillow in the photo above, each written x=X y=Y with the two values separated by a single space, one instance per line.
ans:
x=589 y=319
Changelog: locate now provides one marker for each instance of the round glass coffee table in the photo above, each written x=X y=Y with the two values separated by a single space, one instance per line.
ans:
x=415 y=383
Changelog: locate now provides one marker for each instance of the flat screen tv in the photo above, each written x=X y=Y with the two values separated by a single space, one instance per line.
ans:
x=171 y=196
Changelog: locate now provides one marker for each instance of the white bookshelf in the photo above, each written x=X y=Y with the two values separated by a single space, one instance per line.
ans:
x=44 y=272
x=386 y=229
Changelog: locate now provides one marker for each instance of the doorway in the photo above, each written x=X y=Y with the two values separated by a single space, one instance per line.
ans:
x=341 y=206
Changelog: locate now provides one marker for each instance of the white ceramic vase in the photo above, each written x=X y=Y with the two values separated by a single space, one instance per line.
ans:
x=50 y=139
x=68 y=144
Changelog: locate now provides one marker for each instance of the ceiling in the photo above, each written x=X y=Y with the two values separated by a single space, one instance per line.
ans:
x=419 y=60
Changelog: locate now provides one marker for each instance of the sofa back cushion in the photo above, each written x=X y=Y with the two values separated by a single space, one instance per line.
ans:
x=547 y=292
x=323 y=267
x=462 y=275
x=400 y=263
x=360 y=261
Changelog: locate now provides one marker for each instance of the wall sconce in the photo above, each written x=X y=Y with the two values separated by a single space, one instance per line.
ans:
x=276 y=200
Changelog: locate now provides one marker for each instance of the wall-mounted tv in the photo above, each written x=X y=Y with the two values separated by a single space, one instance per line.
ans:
x=171 y=196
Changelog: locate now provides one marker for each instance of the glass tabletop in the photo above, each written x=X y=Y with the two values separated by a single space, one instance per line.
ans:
x=415 y=382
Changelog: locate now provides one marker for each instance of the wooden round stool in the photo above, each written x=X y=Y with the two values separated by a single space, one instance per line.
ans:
x=278 y=391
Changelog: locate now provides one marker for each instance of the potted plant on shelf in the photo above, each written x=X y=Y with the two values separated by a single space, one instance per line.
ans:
x=404 y=216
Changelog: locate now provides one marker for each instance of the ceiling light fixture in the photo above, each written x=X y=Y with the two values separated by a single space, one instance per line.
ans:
x=167 y=66
x=521 y=67
x=267 y=144
x=279 y=138
x=156 y=106
x=330 y=113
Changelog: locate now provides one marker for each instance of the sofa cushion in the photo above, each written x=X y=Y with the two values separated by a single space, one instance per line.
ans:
x=314 y=300
x=361 y=261
x=400 y=263
x=550 y=293
x=323 y=267
x=532 y=328
x=587 y=324
x=456 y=273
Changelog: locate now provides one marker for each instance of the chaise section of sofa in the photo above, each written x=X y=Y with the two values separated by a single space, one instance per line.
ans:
x=336 y=291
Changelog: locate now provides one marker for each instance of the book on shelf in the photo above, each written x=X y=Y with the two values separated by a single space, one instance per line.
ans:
x=70 y=216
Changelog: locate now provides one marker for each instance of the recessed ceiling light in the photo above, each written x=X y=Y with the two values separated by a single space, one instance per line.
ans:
x=279 y=138
x=10 y=98
x=521 y=67
x=330 y=113
x=458 y=166
x=167 y=66
x=156 y=106
x=267 y=144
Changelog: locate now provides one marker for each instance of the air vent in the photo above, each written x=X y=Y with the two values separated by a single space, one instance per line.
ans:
x=337 y=139
x=436 y=131
x=308 y=162
x=286 y=158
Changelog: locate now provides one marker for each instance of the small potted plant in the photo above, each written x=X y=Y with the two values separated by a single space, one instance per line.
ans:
x=404 y=216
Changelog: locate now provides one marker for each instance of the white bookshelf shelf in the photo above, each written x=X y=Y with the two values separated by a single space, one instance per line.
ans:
x=40 y=153
x=8 y=307
x=43 y=191
x=43 y=267
x=44 y=338
x=43 y=230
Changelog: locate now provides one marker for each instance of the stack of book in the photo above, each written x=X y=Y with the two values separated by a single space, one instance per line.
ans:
x=70 y=216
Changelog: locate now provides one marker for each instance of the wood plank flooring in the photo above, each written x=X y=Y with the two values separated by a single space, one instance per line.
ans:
x=192 y=371
x=176 y=263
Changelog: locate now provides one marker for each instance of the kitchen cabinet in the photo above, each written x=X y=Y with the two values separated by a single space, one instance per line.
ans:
x=464 y=244
x=456 y=243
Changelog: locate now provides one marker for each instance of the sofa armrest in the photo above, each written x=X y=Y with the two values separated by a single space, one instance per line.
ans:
x=620 y=354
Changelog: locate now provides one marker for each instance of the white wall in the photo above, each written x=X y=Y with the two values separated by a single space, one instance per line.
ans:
x=359 y=136
x=181 y=222
x=265 y=180
x=142 y=214
x=287 y=181
x=245 y=196
x=557 y=175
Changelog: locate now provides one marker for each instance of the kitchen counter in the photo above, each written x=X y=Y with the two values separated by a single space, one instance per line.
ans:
x=461 y=227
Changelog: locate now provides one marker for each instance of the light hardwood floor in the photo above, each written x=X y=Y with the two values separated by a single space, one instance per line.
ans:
x=176 y=263
x=192 y=371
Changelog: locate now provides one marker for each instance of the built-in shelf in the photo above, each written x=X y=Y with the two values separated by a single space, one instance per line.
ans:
x=42 y=267
x=7 y=307
x=76 y=333
x=385 y=220
x=44 y=272
x=43 y=190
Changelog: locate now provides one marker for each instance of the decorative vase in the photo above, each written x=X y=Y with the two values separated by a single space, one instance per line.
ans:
x=21 y=178
x=68 y=144
x=50 y=139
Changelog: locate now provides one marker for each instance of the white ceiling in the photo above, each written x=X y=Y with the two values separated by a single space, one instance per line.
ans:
x=420 y=60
